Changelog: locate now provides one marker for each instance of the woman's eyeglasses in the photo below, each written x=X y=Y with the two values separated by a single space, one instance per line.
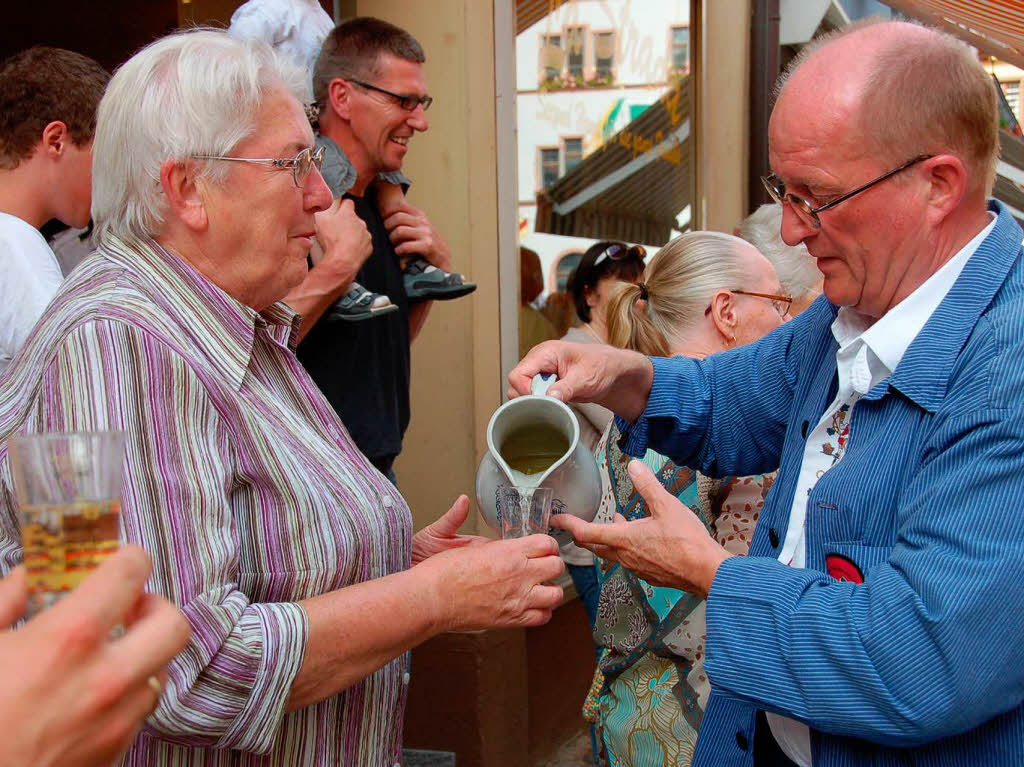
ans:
x=780 y=302
x=300 y=165
x=617 y=252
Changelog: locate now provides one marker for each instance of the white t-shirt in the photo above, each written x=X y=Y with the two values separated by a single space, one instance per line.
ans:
x=296 y=28
x=29 y=278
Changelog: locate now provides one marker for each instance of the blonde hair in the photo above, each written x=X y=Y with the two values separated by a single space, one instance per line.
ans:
x=679 y=283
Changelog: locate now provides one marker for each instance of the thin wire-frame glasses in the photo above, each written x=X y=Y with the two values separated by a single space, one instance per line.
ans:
x=807 y=212
x=781 y=302
x=406 y=102
x=300 y=165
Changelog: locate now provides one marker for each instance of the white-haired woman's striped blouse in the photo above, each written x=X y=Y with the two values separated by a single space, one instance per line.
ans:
x=241 y=483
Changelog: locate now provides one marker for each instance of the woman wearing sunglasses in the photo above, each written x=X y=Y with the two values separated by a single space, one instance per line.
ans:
x=605 y=264
x=602 y=266
x=702 y=293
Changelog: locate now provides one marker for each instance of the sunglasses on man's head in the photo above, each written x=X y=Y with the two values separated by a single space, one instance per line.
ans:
x=617 y=252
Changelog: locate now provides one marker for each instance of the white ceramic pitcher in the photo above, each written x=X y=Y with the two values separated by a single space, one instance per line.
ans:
x=573 y=477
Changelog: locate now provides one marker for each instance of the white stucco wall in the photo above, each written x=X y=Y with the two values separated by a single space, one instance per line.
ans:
x=642 y=61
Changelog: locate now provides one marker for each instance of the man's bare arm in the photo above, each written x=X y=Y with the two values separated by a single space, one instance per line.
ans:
x=418 y=318
x=345 y=244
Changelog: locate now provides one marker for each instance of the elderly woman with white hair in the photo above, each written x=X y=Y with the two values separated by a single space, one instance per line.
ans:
x=287 y=552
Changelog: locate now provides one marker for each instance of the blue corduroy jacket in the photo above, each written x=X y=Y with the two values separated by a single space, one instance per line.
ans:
x=922 y=663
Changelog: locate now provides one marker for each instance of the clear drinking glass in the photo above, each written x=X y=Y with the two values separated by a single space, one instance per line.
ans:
x=524 y=511
x=68 y=489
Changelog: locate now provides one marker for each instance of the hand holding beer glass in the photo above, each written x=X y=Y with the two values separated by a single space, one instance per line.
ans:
x=71 y=694
x=80 y=678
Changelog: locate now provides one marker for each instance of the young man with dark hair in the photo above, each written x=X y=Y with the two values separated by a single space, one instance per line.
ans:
x=48 y=100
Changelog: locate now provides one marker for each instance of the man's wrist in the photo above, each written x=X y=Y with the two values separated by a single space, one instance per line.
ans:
x=716 y=556
x=637 y=380
x=328 y=278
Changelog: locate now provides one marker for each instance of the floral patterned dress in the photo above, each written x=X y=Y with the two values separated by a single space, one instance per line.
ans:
x=650 y=688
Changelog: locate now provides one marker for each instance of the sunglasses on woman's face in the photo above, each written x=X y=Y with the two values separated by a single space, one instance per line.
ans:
x=617 y=252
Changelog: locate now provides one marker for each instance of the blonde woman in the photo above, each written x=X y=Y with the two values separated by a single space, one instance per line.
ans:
x=703 y=293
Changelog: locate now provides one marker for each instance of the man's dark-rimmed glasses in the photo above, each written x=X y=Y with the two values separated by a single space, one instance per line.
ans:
x=807 y=212
x=408 y=103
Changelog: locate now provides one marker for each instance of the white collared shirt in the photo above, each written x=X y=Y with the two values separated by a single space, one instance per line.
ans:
x=868 y=353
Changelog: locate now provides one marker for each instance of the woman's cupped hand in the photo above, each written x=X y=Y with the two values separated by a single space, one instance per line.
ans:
x=482 y=584
x=443 y=534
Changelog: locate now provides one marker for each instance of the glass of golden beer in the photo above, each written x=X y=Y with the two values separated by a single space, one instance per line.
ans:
x=68 y=489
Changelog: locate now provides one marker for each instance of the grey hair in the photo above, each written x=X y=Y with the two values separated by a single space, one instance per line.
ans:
x=796 y=268
x=193 y=92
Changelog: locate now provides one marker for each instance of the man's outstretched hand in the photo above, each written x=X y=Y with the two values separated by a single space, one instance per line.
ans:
x=671 y=547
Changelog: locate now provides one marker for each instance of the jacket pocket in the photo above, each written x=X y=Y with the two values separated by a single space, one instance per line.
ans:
x=853 y=562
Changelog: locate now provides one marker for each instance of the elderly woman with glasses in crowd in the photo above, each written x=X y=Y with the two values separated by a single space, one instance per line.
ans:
x=703 y=293
x=287 y=552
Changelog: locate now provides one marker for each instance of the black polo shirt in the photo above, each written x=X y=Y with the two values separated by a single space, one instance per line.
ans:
x=363 y=367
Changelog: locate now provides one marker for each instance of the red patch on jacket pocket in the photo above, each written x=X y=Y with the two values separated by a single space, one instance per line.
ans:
x=843 y=569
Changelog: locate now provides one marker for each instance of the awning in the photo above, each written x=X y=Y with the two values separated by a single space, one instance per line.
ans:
x=529 y=12
x=994 y=27
x=1009 y=187
x=634 y=186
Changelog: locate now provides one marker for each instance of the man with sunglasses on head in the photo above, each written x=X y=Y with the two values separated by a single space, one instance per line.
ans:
x=879 y=616
x=371 y=91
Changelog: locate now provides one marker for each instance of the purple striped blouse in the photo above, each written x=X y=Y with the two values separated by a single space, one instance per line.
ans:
x=241 y=483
